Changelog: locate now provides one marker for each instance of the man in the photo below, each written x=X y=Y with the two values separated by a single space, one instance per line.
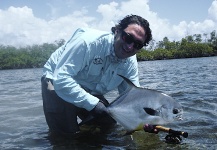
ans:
x=80 y=72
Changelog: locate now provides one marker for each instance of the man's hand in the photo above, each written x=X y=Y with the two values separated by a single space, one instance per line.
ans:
x=99 y=110
x=103 y=119
x=150 y=128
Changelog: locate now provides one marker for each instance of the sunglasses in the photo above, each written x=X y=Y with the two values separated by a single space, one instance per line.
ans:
x=128 y=38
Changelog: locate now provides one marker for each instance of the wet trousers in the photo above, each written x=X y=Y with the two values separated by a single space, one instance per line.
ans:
x=61 y=116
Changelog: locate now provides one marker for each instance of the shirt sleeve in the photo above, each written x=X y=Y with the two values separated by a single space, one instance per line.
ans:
x=71 y=62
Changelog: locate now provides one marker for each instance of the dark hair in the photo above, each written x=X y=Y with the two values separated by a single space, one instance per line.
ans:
x=134 y=19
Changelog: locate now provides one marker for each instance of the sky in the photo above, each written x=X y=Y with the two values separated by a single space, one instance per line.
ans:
x=29 y=22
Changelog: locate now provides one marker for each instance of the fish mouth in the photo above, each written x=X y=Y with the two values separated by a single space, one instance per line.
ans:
x=178 y=113
x=178 y=117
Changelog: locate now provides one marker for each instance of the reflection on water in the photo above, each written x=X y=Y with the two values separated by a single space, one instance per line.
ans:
x=192 y=82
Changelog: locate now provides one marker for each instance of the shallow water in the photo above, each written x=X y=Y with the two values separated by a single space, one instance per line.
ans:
x=192 y=82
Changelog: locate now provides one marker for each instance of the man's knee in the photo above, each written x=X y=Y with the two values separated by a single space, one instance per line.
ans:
x=59 y=124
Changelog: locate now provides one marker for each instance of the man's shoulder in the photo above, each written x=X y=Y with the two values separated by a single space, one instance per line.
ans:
x=92 y=31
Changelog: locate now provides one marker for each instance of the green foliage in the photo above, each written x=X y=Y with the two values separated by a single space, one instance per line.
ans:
x=36 y=56
x=188 y=47
x=29 y=57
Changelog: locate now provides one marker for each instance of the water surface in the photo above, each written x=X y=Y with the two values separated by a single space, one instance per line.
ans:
x=192 y=82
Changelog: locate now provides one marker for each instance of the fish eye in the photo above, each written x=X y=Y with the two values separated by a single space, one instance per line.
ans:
x=175 y=111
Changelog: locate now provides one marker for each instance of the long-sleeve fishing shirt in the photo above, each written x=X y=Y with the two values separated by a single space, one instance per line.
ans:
x=86 y=65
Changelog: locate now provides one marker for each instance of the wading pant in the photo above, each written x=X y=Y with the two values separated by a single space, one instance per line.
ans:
x=60 y=115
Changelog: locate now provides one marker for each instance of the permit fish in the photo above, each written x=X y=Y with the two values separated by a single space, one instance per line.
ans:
x=138 y=106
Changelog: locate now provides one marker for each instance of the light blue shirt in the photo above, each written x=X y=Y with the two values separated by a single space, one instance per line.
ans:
x=86 y=65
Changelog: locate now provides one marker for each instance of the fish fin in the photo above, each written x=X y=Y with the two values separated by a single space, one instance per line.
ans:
x=150 y=111
x=140 y=127
x=130 y=86
x=128 y=81
x=129 y=132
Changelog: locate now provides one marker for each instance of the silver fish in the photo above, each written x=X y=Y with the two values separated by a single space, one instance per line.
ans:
x=138 y=106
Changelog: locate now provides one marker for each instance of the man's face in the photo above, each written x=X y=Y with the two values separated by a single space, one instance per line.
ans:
x=128 y=42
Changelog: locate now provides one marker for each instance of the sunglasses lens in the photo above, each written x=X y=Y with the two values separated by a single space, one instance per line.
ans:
x=129 y=39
